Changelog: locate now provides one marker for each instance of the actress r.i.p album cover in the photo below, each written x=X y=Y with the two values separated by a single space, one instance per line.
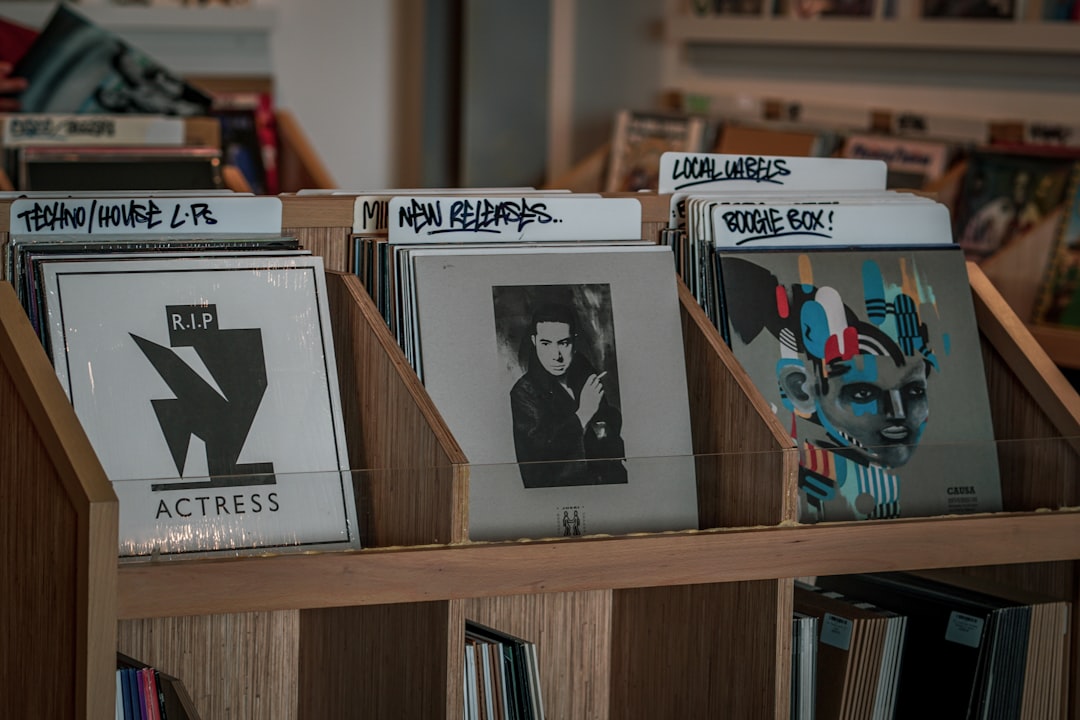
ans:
x=208 y=390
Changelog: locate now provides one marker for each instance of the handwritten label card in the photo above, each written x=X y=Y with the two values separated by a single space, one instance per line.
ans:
x=137 y=215
x=512 y=219
x=714 y=171
x=372 y=208
x=919 y=157
x=680 y=201
x=21 y=130
x=1042 y=133
x=830 y=225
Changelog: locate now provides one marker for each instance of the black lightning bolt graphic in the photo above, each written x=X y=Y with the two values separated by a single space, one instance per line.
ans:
x=221 y=420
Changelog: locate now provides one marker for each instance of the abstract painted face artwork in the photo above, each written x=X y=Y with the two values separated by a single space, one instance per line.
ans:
x=852 y=349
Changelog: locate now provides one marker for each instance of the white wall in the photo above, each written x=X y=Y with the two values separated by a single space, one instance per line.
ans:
x=333 y=66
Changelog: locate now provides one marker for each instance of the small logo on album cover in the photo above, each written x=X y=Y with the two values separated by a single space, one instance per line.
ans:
x=220 y=416
x=571 y=520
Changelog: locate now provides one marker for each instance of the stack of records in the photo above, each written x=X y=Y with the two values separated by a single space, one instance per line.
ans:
x=969 y=653
x=844 y=302
x=551 y=344
x=804 y=632
x=859 y=654
x=502 y=677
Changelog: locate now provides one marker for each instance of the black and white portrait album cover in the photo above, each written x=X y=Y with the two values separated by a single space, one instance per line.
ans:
x=208 y=389
x=560 y=372
x=871 y=358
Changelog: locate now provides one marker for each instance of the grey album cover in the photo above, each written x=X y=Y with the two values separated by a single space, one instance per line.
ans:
x=560 y=372
x=872 y=359
x=208 y=390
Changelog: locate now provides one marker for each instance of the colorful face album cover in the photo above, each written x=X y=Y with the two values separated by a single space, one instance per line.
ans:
x=1005 y=195
x=871 y=359
x=1060 y=304
x=75 y=66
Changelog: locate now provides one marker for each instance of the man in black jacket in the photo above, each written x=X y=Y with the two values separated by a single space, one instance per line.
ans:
x=565 y=431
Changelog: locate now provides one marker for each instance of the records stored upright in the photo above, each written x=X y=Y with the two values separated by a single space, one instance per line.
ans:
x=683 y=623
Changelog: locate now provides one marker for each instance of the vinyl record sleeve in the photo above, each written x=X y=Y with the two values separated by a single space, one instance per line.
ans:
x=474 y=309
x=78 y=66
x=208 y=389
x=834 y=339
x=965 y=649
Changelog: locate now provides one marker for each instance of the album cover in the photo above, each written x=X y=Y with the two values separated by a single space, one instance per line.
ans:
x=809 y=9
x=1061 y=10
x=560 y=372
x=77 y=66
x=1059 y=301
x=208 y=390
x=737 y=7
x=872 y=359
x=640 y=138
x=984 y=9
x=249 y=137
x=1005 y=194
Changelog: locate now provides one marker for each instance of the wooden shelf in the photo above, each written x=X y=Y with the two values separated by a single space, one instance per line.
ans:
x=404 y=575
x=631 y=626
x=939 y=33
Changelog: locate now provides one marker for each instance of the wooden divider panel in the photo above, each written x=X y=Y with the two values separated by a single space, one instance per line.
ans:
x=378 y=661
x=572 y=632
x=702 y=651
x=59 y=531
x=413 y=489
x=747 y=464
x=234 y=666
x=1036 y=412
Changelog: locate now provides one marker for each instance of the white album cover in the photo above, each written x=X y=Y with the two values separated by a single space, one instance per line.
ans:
x=560 y=372
x=208 y=389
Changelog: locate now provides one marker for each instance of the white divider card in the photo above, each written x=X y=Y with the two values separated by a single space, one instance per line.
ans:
x=902 y=155
x=48 y=129
x=389 y=192
x=940 y=127
x=1043 y=133
x=680 y=213
x=372 y=208
x=829 y=225
x=717 y=171
x=173 y=215
x=427 y=220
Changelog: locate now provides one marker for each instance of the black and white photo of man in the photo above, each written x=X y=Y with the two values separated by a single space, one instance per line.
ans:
x=566 y=421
